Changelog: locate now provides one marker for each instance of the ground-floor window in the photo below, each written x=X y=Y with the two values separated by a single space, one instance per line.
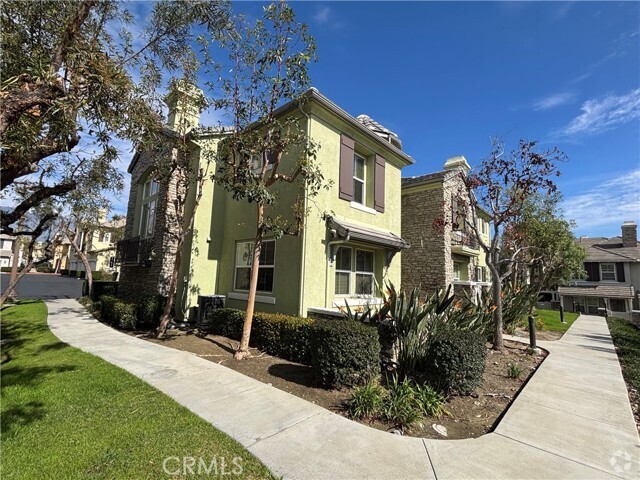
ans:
x=456 y=270
x=244 y=255
x=617 y=305
x=358 y=276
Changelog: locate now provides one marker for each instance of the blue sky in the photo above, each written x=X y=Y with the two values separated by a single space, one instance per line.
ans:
x=446 y=76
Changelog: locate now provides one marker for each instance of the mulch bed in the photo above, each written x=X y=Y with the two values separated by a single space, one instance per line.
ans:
x=469 y=416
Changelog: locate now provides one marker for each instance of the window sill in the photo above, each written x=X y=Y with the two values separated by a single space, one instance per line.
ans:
x=363 y=208
x=245 y=296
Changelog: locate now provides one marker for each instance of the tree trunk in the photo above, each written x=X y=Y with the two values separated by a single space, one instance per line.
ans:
x=83 y=256
x=11 y=293
x=243 y=349
x=14 y=281
x=496 y=285
x=173 y=284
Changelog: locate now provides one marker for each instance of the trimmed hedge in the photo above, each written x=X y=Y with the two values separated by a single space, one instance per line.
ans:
x=117 y=313
x=64 y=271
x=344 y=352
x=100 y=288
x=456 y=361
x=277 y=334
x=341 y=352
x=5 y=269
x=149 y=310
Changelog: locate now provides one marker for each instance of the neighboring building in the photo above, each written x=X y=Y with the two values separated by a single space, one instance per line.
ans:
x=6 y=250
x=349 y=245
x=613 y=276
x=447 y=254
x=100 y=248
x=61 y=256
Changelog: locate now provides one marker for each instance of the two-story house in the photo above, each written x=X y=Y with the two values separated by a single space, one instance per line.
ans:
x=100 y=247
x=613 y=276
x=6 y=250
x=349 y=246
x=442 y=253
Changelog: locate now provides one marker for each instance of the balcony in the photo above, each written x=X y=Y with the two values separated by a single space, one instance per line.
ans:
x=464 y=244
x=134 y=251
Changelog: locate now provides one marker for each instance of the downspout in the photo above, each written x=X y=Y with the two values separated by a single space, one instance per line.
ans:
x=301 y=311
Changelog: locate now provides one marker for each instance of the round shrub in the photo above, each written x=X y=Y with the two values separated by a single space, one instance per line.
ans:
x=282 y=335
x=455 y=361
x=344 y=352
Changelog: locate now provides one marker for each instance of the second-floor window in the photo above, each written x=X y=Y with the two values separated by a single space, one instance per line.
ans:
x=359 y=180
x=608 y=272
x=148 y=211
x=104 y=237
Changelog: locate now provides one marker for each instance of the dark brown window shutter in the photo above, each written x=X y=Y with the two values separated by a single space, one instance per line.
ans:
x=593 y=271
x=620 y=271
x=346 y=167
x=378 y=194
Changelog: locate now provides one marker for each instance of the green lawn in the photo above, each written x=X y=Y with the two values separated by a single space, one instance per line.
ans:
x=551 y=320
x=67 y=414
x=626 y=338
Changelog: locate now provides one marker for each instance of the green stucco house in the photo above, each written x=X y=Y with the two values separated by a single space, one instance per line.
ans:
x=350 y=244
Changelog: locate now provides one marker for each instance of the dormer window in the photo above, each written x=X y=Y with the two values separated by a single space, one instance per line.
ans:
x=148 y=210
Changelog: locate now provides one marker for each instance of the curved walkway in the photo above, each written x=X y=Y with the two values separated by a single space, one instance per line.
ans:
x=572 y=420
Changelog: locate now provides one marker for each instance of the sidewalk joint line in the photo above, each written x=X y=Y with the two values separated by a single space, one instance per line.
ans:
x=433 y=469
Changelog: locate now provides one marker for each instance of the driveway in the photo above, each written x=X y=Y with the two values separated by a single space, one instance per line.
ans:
x=45 y=286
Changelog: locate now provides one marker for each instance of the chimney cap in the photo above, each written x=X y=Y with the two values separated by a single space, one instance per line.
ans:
x=457 y=163
x=630 y=223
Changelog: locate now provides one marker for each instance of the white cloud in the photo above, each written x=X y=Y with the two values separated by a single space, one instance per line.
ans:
x=553 y=101
x=561 y=11
x=604 y=113
x=607 y=204
x=323 y=15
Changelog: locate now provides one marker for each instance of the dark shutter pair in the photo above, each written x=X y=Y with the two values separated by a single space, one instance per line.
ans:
x=347 y=150
x=593 y=271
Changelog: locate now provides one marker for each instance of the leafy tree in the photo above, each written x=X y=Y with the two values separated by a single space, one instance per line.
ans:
x=41 y=224
x=549 y=255
x=502 y=185
x=266 y=151
x=66 y=75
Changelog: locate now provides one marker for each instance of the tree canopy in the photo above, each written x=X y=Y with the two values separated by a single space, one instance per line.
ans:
x=75 y=80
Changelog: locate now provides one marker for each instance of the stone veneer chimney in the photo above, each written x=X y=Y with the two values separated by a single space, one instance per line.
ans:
x=185 y=101
x=629 y=234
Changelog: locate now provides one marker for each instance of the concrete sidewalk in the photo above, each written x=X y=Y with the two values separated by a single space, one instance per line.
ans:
x=572 y=420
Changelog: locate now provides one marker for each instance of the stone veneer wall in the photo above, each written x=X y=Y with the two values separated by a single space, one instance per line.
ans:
x=136 y=281
x=423 y=264
x=428 y=264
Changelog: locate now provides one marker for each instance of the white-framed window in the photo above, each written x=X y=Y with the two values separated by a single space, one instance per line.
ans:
x=148 y=210
x=354 y=272
x=359 y=179
x=481 y=274
x=364 y=273
x=608 y=272
x=104 y=237
x=456 y=270
x=343 y=271
x=244 y=257
x=618 y=304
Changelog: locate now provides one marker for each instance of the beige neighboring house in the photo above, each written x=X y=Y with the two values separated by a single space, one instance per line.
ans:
x=6 y=250
x=101 y=248
x=61 y=256
x=452 y=256
x=613 y=277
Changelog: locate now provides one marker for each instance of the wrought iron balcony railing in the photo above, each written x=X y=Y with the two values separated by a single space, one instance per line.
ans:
x=464 y=239
x=134 y=251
